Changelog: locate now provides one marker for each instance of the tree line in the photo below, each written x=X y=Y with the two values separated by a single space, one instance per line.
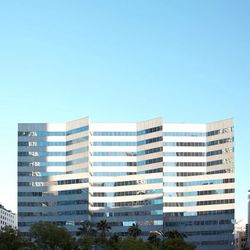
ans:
x=48 y=236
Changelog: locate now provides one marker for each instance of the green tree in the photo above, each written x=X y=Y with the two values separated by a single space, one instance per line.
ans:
x=48 y=236
x=177 y=244
x=134 y=230
x=174 y=240
x=104 y=227
x=86 y=228
x=114 y=241
x=11 y=239
x=86 y=242
x=174 y=234
x=154 y=240
x=87 y=234
x=131 y=243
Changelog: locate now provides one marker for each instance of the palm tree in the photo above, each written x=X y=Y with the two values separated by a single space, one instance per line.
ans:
x=103 y=226
x=115 y=237
x=86 y=228
x=134 y=230
x=175 y=240
x=114 y=241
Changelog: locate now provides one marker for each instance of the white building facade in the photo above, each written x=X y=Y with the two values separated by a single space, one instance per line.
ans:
x=7 y=218
x=162 y=176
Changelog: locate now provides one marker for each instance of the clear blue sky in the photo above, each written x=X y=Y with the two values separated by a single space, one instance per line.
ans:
x=187 y=61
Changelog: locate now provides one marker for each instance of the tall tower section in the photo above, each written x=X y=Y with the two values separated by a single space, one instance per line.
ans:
x=199 y=182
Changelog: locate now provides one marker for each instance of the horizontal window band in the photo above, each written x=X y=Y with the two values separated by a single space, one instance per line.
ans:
x=47 y=163
x=198 y=193
x=53 y=133
x=127 y=193
x=198 y=203
x=200 y=213
x=199 y=183
x=127 y=183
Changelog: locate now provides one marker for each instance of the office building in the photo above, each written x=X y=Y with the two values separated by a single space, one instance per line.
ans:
x=7 y=218
x=247 y=227
x=240 y=238
x=159 y=175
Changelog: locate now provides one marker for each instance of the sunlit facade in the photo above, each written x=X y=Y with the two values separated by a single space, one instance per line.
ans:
x=159 y=175
x=7 y=218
